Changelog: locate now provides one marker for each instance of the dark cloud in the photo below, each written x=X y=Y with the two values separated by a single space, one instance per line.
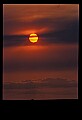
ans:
x=68 y=34
x=15 y=41
x=44 y=83
x=49 y=88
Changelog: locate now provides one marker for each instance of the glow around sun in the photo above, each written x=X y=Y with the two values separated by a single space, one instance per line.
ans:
x=33 y=38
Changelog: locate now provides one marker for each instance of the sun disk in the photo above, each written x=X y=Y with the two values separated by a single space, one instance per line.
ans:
x=33 y=38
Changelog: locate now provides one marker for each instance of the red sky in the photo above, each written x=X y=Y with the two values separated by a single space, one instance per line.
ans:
x=55 y=55
x=25 y=19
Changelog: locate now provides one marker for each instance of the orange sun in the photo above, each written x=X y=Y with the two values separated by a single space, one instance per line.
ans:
x=33 y=38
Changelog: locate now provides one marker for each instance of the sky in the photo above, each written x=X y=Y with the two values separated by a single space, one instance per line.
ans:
x=54 y=56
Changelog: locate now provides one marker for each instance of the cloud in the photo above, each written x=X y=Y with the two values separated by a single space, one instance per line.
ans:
x=44 y=83
x=52 y=18
x=60 y=31
x=49 y=88
x=67 y=32
x=14 y=40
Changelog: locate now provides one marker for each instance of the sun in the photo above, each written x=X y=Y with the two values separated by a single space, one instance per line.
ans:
x=33 y=38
